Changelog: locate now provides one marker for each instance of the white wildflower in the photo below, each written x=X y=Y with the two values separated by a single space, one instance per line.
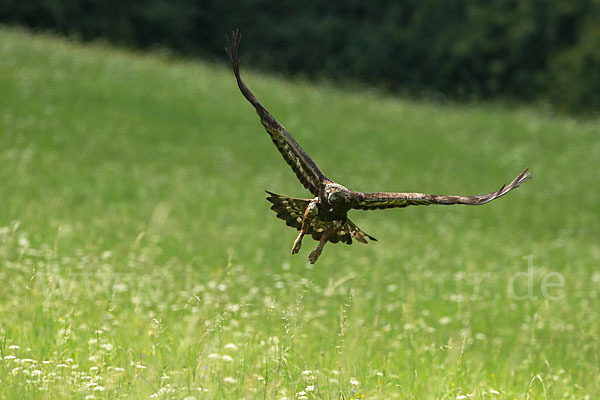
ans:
x=120 y=287
x=227 y=358
x=162 y=391
x=213 y=356
x=230 y=346
x=36 y=372
x=445 y=320
x=229 y=379
x=99 y=389
x=10 y=357
x=14 y=347
x=306 y=372
x=492 y=391
x=140 y=366
x=354 y=382
x=311 y=388
x=233 y=308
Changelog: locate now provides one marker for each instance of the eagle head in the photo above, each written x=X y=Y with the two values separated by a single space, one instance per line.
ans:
x=337 y=196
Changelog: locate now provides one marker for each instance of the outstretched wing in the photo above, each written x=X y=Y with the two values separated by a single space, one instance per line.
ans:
x=373 y=201
x=304 y=167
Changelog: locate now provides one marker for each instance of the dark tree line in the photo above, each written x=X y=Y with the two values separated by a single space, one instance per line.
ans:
x=540 y=50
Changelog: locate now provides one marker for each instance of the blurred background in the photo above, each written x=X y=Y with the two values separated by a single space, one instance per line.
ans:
x=542 y=51
x=139 y=257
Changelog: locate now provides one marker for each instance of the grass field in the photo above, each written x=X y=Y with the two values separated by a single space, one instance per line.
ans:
x=139 y=257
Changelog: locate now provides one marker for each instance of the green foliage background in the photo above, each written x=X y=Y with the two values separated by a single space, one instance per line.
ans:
x=539 y=50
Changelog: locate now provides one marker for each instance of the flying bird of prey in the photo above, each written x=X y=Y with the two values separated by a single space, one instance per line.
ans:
x=325 y=216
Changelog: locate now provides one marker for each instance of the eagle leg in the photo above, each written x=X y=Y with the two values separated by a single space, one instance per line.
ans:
x=298 y=243
x=314 y=255
x=305 y=225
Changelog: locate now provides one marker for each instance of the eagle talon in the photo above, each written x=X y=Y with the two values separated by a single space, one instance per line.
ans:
x=314 y=255
x=297 y=243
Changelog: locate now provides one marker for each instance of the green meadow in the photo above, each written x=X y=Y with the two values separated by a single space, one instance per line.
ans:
x=139 y=257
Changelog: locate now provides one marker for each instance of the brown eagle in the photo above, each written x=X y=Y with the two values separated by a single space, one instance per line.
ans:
x=325 y=216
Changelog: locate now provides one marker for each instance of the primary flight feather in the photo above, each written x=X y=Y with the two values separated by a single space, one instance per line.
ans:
x=325 y=216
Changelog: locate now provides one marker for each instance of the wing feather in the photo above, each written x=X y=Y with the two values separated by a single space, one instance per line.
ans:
x=381 y=200
x=303 y=166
